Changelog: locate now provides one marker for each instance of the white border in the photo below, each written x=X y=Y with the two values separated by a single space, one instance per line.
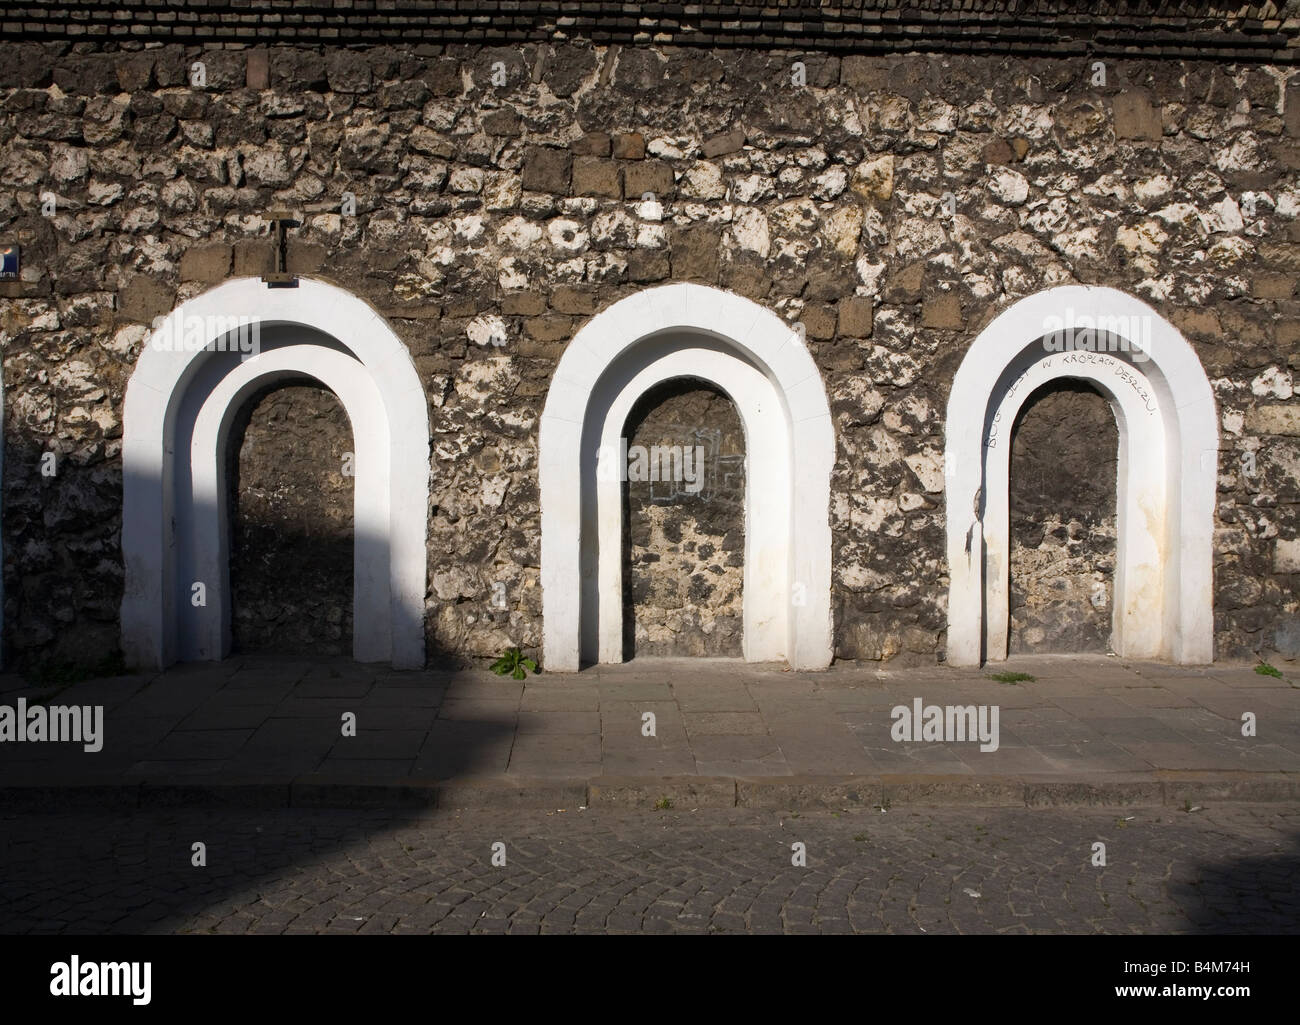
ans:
x=173 y=513
x=688 y=330
x=1168 y=471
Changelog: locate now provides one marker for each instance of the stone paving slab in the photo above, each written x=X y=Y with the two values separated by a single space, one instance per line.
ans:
x=1087 y=728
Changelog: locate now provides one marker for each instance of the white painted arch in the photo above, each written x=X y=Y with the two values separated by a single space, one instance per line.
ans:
x=1167 y=471
x=688 y=331
x=180 y=407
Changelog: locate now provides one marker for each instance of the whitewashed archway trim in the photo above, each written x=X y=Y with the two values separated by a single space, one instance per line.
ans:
x=688 y=331
x=174 y=511
x=1167 y=471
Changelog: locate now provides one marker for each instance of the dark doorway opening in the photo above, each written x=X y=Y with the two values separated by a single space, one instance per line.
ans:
x=290 y=491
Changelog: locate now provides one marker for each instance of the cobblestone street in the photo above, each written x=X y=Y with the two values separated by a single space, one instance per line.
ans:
x=1233 y=869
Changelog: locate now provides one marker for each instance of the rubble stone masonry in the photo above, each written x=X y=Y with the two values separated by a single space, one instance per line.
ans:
x=892 y=205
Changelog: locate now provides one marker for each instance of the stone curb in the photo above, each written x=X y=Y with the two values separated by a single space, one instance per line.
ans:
x=1164 y=789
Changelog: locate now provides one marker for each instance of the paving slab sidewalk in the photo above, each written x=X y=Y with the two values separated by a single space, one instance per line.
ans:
x=268 y=731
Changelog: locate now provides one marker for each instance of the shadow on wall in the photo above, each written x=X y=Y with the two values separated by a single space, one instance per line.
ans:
x=290 y=498
x=168 y=572
x=274 y=585
x=292 y=588
x=62 y=561
x=180 y=408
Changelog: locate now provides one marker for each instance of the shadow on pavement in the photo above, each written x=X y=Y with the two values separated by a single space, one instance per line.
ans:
x=1257 y=895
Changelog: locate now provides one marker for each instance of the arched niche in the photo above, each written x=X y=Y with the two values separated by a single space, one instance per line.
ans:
x=753 y=357
x=181 y=404
x=1167 y=468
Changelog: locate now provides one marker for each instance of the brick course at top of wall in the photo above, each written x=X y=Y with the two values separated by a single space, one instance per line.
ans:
x=1268 y=32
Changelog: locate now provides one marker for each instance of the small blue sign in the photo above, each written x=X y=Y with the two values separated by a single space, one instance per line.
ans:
x=10 y=262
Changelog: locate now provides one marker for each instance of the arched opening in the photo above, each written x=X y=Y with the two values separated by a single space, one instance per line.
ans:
x=1166 y=469
x=684 y=523
x=197 y=371
x=1064 y=447
x=764 y=368
x=290 y=498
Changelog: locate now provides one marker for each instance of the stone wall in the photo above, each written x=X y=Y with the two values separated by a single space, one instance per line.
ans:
x=890 y=205
x=1064 y=451
x=684 y=565
x=292 y=524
